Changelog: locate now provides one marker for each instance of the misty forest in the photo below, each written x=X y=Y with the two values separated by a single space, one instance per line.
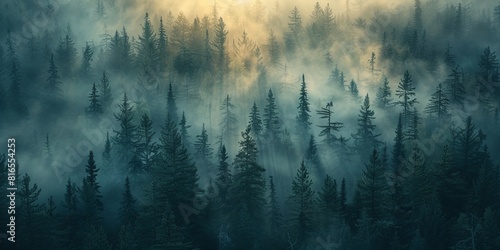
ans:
x=251 y=124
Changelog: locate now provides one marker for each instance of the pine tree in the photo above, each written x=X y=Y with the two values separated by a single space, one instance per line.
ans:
x=125 y=139
x=203 y=150
x=303 y=118
x=94 y=109
x=455 y=88
x=66 y=55
x=128 y=211
x=183 y=127
x=329 y=127
x=273 y=49
x=353 y=91
x=87 y=58
x=302 y=204
x=171 y=104
x=255 y=122
x=311 y=155
x=91 y=179
x=373 y=189
x=176 y=173
x=163 y=48
x=16 y=96
x=106 y=97
x=438 y=104
x=228 y=121
x=53 y=81
x=328 y=202
x=247 y=191
x=69 y=223
x=275 y=216
x=219 y=45
x=106 y=154
x=272 y=123
x=384 y=99
x=295 y=29
x=114 y=51
x=406 y=91
x=29 y=214
x=398 y=152
x=467 y=151
x=412 y=133
x=147 y=52
x=364 y=138
x=224 y=177
x=342 y=82
x=146 y=146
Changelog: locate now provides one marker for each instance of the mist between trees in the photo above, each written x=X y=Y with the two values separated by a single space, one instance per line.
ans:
x=252 y=125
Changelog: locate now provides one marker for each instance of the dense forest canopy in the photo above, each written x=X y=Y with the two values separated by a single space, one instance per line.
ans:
x=252 y=125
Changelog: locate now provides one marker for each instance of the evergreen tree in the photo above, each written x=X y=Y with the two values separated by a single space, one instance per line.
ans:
x=29 y=214
x=412 y=133
x=106 y=97
x=247 y=192
x=328 y=202
x=69 y=223
x=106 y=154
x=66 y=55
x=326 y=130
x=219 y=45
x=224 y=177
x=406 y=91
x=94 y=109
x=96 y=239
x=16 y=96
x=147 y=52
x=353 y=91
x=255 y=122
x=438 y=104
x=146 y=147
x=163 y=48
x=311 y=155
x=364 y=138
x=91 y=179
x=203 y=149
x=183 y=127
x=128 y=208
x=467 y=151
x=87 y=58
x=228 y=121
x=273 y=49
x=303 y=118
x=343 y=198
x=275 y=216
x=455 y=88
x=171 y=104
x=125 y=139
x=53 y=82
x=272 y=123
x=302 y=204
x=176 y=173
x=295 y=29
x=449 y=57
x=398 y=152
x=373 y=189
x=384 y=99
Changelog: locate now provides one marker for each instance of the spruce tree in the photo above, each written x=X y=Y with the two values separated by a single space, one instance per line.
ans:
x=105 y=90
x=147 y=148
x=128 y=211
x=328 y=202
x=247 y=192
x=455 y=87
x=365 y=139
x=327 y=129
x=53 y=82
x=353 y=91
x=203 y=150
x=273 y=49
x=219 y=45
x=66 y=55
x=163 y=49
x=228 y=121
x=69 y=222
x=302 y=204
x=412 y=133
x=255 y=122
x=224 y=177
x=106 y=154
x=274 y=215
x=94 y=109
x=171 y=104
x=87 y=58
x=29 y=214
x=311 y=155
x=303 y=118
x=467 y=151
x=147 y=51
x=125 y=139
x=272 y=123
x=183 y=127
x=438 y=103
x=384 y=99
x=373 y=189
x=407 y=92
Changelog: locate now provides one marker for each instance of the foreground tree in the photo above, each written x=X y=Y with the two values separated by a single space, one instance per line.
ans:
x=125 y=139
x=303 y=118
